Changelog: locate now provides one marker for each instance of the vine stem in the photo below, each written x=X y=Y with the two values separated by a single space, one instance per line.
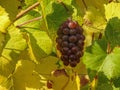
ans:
x=84 y=4
x=27 y=10
x=29 y=21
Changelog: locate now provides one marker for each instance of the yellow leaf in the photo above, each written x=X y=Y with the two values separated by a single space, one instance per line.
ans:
x=111 y=10
x=4 y=20
x=25 y=77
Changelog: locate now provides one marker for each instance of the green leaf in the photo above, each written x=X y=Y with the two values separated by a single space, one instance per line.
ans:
x=95 y=55
x=111 y=10
x=104 y=86
x=30 y=2
x=116 y=82
x=112 y=32
x=54 y=14
x=111 y=64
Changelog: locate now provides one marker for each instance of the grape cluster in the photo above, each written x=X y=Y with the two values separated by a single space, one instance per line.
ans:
x=70 y=42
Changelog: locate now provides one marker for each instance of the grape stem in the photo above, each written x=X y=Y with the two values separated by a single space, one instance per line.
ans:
x=29 y=21
x=26 y=10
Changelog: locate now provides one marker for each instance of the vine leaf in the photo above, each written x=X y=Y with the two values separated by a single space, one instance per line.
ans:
x=46 y=66
x=111 y=64
x=112 y=32
x=95 y=55
x=4 y=20
x=39 y=43
x=97 y=59
x=24 y=76
x=30 y=2
x=70 y=82
x=11 y=7
x=111 y=10
x=54 y=14
x=15 y=44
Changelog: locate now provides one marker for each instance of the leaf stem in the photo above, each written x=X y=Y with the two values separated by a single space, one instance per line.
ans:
x=108 y=48
x=64 y=6
x=29 y=21
x=26 y=10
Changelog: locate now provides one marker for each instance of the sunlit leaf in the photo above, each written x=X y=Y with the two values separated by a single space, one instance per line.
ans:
x=25 y=77
x=95 y=55
x=111 y=64
x=111 y=10
x=4 y=20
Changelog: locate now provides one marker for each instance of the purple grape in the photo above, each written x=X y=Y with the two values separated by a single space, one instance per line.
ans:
x=72 y=57
x=64 y=58
x=65 y=44
x=72 y=39
x=74 y=49
x=66 y=31
x=73 y=63
x=65 y=38
x=71 y=45
x=73 y=31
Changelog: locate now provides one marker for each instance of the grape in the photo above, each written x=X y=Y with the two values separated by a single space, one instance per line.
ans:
x=69 y=52
x=65 y=38
x=79 y=29
x=78 y=36
x=65 y=50
x=66 y=63
x=70 y=42
x=73 y=63
x=72 y=39
x=71 y=45
x=79 y=54
x=72 y=24
x=83 y=37
x=58 y=40
x=72 y=57
x=64 y=57
x=73 y=31
x=74 y=49
x=66 y=31
x=65 y=44
x=80 y=43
